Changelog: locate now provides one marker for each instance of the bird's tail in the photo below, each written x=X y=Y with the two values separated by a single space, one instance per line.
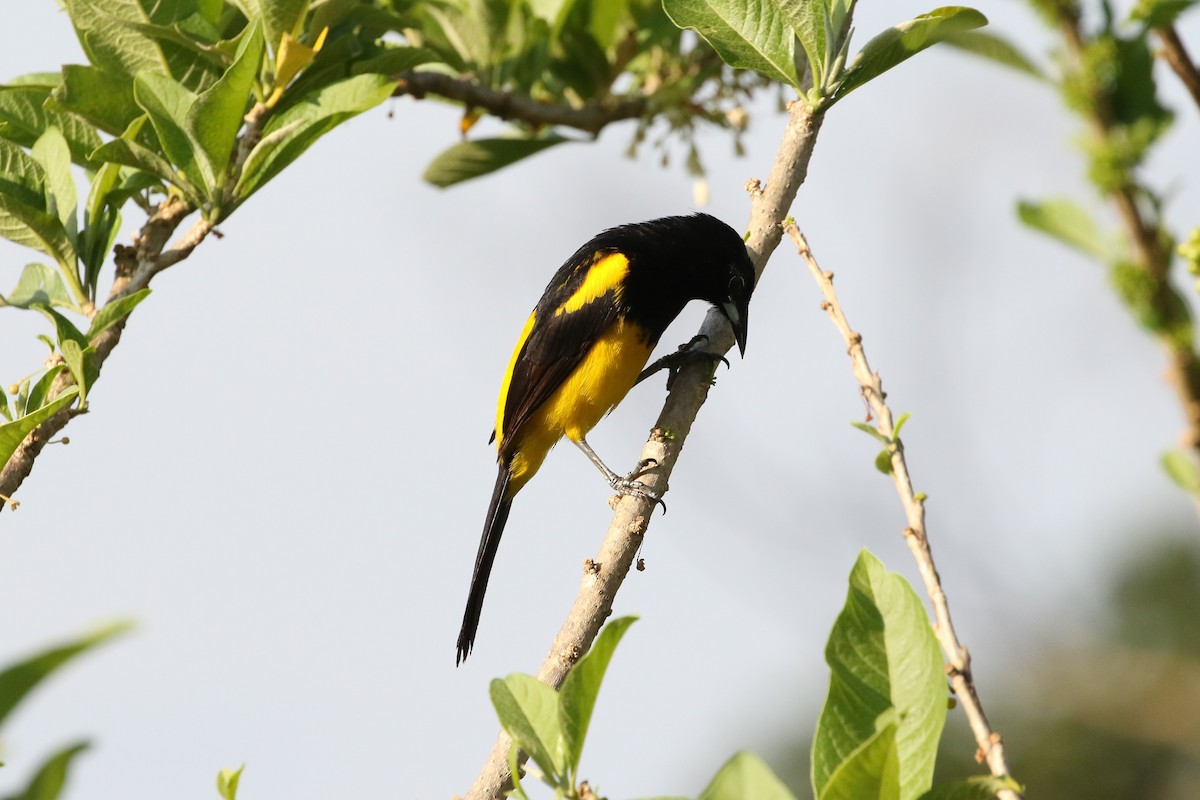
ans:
x=492 y=529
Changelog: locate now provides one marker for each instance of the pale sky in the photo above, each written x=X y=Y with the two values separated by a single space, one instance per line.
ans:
x=284 y=472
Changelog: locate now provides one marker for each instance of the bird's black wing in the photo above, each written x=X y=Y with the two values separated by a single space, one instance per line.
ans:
x=558 y=341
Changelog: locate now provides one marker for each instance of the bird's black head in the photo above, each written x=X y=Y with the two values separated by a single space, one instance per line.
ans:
x=696 y=257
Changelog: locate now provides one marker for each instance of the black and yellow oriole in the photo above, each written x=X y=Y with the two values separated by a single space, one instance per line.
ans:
x=587 y=340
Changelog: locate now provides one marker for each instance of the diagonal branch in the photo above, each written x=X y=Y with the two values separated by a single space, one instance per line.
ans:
x=958 y=659
x=604 y=574
x=135 y=267
x=591 y=117
x=1176 y=55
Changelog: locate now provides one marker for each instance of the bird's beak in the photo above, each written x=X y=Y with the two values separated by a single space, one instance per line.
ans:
x=737 y=314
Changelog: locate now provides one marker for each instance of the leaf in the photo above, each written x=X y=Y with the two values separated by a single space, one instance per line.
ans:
x=33 y=227
x=394 y=60
x=227 y=782
x=25 y=114
x=293 y=131
x=883 y=462
x=215 y=118
x=48 y=781
x=81 y=361
x=901 y=42
x=168 y=102
x=113 y=312
x=278 y=16
x=21 y=177
x=979 y=787
x=873 y=431
x=1182 y=469
x=871 y=771
x=39 y=393
x=65 y=330
x=102 y=98
x=1068 y=223
x=995 y=48
x=884 y=660
x=132 y=154
x=110 y=43
x=52 y=152
x=528 y=710
x=467 y=160
x=39 y=284
x=747 y=34
x=577 y=697
x=19 y=679
x=1159 y=13
x=745 y=777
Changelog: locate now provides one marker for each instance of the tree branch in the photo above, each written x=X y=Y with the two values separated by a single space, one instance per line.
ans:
x=1150 y=251
x=603 y=574
x=958 y=659
x=135 y=267
x=591 y=117
x=1175 y=54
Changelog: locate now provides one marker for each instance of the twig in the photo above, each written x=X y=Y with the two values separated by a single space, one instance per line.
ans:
x=957 y=657
x=604 y=573
x=1175 y=54
x=590 y=117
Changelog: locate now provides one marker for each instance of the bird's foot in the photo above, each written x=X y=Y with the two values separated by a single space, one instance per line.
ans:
x=685 y=354
x=630 y=484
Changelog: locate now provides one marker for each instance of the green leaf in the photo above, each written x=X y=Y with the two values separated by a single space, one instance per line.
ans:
x=63 y=327
x=884 y=660
x=132 y=154
x=278 y=16
x=997 y=49
x=36 y=228
x=467 y=160
x=227 y=782
x=1182 y=469
x=980 y=787
x=747 y=34
x=51 y=776
x=19 y=679
x=103 y=98
x=52 y=152
x=115 y=311
x=39 y=393
x=21 y=177
x=901 y=42
x=394 y=60
x=745 y=777
x=819 y=26
x=293 y=131
x=1068 y=223
x=905 y=417
x=1159 y=13
x=883 y=462
x=82 y=363
x=168 y=102
x=110 y=43
x=25 y=115
x=873 y=431
x=872 y=770
x=528 y=710
x=215 y=118
x=39 y=284
x=577 y=697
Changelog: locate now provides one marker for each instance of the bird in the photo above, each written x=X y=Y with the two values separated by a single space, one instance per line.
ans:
x=585 y=344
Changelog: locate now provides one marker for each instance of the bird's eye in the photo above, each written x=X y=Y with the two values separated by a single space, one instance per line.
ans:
x=736 y=283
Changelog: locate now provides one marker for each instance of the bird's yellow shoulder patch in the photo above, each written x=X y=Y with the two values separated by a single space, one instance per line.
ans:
x=606 y=274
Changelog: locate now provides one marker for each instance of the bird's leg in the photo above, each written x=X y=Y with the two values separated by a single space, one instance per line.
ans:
x=627 y=484
x=684 y=354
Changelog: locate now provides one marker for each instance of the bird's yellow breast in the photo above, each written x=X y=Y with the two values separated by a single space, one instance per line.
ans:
x=604 y=376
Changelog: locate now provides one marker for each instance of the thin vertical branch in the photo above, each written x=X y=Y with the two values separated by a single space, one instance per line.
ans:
x=1176 y=55
x=958 y=660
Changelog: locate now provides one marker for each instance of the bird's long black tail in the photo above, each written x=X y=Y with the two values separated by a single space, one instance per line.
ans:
x=492 y=529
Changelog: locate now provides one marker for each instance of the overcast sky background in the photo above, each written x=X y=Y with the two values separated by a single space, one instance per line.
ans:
x=284 y=472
